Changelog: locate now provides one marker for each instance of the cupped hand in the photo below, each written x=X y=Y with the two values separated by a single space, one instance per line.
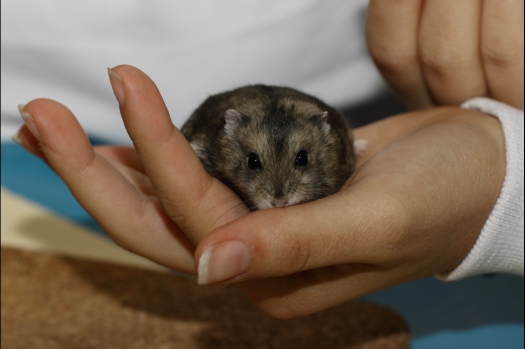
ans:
x=442 y=52
x=111 y=184
x=413 y=208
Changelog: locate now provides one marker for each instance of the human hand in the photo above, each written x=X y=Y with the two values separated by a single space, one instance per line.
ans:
x=438 y=52
x=414 y=207
x=111 y=184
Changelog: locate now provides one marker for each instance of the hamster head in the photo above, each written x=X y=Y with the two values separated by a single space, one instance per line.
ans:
x=285 y=155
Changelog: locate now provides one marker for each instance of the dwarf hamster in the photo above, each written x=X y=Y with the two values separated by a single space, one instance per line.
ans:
x=274 y=146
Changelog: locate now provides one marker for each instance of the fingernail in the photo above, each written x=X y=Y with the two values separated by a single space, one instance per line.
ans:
x=223 y=262
x=17 y=139
x=116 y=85
x=28 y=120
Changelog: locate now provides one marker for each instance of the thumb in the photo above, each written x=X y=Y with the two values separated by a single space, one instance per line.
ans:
x=338 y=229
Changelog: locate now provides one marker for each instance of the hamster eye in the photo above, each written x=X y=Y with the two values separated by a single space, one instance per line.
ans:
x=301 y=159
x=253 y=161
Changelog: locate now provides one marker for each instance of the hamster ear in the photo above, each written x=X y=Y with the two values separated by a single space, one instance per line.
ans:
x=234 y=119
x=321 y=120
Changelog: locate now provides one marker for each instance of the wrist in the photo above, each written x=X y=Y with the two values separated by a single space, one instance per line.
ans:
x=499 y=247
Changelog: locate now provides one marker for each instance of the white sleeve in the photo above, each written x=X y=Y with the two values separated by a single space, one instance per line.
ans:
x=499 y=247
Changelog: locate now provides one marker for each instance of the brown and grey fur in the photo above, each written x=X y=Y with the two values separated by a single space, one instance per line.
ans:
x=275 y=123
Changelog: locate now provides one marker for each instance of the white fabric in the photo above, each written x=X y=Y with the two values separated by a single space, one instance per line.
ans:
x=60 y=49
x=499 y=247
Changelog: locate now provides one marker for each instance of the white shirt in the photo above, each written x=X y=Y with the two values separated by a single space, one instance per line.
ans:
x=60 y=49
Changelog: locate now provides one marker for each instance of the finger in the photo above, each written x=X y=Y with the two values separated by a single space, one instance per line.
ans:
x=312 y=291
x=279 y=249
x=391 y=33
x=281 y=242
x=123 y=154
x=131 y=218
x=195 y=201
x=138 y=179
x=502 y=49
x=26 y=140
x=124 y=159
x=127 y=162
x=449 y=50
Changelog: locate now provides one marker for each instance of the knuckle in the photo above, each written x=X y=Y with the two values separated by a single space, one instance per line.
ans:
x=87 y=165
x=181 y=220
x=64 y=162
x=501 y=53
x=442 y=61
x=226 y=209
x=182 y=211
x=392 y=60
x=202 y=192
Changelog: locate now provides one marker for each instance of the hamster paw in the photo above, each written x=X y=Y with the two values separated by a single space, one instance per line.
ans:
x=360 y=146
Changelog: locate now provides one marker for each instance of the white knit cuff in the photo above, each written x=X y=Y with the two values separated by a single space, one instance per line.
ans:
x=499 y=247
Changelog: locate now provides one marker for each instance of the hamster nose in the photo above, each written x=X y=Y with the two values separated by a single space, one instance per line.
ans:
x=279 y=202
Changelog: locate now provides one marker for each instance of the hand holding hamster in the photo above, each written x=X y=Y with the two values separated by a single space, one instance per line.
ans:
x=407 y=212
x=274 y=146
